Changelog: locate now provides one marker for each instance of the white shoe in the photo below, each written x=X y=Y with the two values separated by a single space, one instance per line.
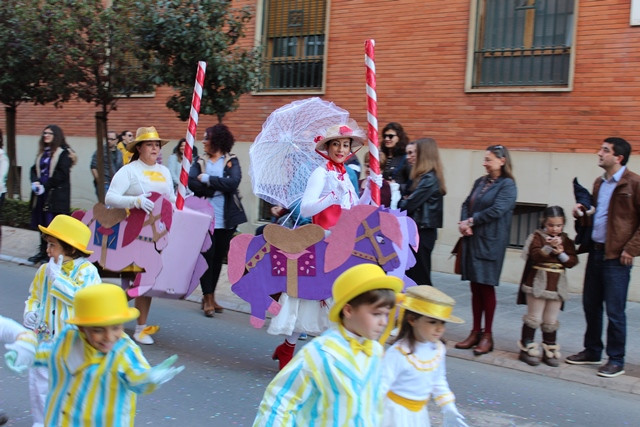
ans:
x=141 y=336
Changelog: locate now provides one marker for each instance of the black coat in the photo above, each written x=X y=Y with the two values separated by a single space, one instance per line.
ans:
x=228 y=184
x=483 y=252
x=57 y=190
x=425 y=204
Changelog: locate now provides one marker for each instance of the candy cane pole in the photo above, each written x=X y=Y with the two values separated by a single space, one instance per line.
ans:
x=191 y=135
x=372 y=119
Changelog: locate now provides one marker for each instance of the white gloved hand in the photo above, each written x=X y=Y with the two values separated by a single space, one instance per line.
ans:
x=451 y=416
x=31 y=320
x=142 y=202
x=21 y=353
x=164 y=371
x=37 y=188
x=54 y=268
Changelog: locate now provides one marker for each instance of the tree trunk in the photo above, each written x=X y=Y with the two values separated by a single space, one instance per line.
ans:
x=101 y=126
x=13 y=179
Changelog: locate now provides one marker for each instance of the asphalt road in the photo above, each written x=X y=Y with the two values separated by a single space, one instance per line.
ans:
x=228 y=366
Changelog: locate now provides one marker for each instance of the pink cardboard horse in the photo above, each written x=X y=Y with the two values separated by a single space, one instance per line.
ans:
x=304 y=264
x=145 y=244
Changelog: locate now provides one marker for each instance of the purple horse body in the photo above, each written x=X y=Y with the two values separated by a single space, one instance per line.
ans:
x=258 y=269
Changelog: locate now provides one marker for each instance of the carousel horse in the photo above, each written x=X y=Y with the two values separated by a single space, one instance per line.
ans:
x=304 y=264
x=142 y=244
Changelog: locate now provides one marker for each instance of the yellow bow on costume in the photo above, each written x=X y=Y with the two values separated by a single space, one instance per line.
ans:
x=356 y=346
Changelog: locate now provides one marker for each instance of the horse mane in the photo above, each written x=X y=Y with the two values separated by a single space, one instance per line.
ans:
x=343 y=236
x=390 y=227
x=136 y=219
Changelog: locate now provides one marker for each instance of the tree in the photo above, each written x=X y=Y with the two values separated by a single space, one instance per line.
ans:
x=102 y=57
x=32 y=66
x=176 y=34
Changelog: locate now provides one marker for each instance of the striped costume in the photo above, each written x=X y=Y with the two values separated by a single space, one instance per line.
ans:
x=326 y=384
x=412 y=379
x=52 y=301
x=90 y=388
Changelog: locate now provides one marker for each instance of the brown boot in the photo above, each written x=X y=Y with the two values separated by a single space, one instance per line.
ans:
x=550 y=350
x=529 y=351
x=208 y=307
x=485 y=345
x=217 y=307
x=470 y=341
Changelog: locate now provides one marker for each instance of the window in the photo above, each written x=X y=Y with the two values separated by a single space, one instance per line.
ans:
x=521 y=43
x=526 y=218
x=294 y=44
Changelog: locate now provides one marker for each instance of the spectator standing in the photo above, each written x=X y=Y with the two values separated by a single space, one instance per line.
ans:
x=615 y=241
x=485 y=225
x=425 y=205
x=112 y=162
x=50 y=182
x=125 y=138
x=175 y=162
x=394 y=142
x=4 y=171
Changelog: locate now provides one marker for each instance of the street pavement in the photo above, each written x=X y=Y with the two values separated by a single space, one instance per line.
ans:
x=16 y=245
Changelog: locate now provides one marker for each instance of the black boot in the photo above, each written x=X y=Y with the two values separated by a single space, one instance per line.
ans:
x=3 y=417
x=41 y=256
x=550 y=350
x=529 y=352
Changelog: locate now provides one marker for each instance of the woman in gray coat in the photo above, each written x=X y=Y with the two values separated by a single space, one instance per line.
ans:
x=485 y=225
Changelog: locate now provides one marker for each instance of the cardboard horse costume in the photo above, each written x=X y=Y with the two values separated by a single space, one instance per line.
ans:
x=146 y=244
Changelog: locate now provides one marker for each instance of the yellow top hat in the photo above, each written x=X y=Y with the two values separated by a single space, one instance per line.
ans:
x=347 y=130
x=69 y=230
x=145 y=134
x=101 y=305
x=430 y=302
x=358 y=280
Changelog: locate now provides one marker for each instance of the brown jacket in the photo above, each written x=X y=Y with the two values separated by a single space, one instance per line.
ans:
x=623 y=224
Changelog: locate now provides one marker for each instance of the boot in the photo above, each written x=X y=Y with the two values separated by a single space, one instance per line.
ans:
x=4 y=418
x=550 y=350
x=217 y=307
x=283 y=353
x=207 y=305
x=529 y=351
x=485 y=345
x=470 y=341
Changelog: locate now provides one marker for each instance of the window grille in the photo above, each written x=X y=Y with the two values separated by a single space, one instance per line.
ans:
x=525 y=220
x=523 y=43
x=294 y=44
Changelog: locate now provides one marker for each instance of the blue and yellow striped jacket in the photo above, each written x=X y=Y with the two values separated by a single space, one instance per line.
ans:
x=325 y=384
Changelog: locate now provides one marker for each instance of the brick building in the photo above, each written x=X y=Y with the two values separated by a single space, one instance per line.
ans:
x=547 y=78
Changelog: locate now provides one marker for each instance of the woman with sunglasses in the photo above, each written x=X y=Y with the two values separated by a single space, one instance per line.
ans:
x=394 y=142
x=485 y=225
x=50 y=182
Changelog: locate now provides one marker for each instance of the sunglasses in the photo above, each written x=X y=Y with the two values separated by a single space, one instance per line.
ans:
x=388 y=136
x=47 y=133
x=498 y=150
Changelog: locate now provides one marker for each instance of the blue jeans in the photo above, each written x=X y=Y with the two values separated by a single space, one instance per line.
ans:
x=606 y=283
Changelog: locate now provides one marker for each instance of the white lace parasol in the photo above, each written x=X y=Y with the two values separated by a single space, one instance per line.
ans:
x=283 y=154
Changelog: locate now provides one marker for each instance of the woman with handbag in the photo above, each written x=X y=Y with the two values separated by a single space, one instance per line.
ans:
x=216 y=176
x=425 y=205
x=485 y=225
x=50 y=182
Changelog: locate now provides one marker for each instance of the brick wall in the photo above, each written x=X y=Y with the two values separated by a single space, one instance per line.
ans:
x=421 y=51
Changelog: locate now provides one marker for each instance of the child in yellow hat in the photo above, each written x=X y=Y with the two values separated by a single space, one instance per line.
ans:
x=51 y=293
x=96 y=369
x=21 y=346
x=335 y=378
x=414 y=367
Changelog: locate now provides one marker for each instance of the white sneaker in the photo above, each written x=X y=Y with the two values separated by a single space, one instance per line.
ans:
x=142 y=337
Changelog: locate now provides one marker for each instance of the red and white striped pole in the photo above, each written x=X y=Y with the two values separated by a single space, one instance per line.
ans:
x=191 y=135
x=372 y=119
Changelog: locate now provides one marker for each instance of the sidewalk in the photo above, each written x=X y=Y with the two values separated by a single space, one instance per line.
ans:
x=18 y=244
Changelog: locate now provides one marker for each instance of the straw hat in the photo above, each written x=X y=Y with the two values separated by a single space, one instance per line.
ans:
x=145 y=134
x=358 y=280
x=348 y=130
x=430 y=302
x=101 y=305
x=70 y=231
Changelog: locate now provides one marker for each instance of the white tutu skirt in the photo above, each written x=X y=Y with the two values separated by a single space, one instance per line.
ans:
x=301 y=315
x=397 y=415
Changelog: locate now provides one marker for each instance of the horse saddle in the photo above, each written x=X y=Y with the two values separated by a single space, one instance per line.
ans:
x=108 y=217
x=295 y=240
